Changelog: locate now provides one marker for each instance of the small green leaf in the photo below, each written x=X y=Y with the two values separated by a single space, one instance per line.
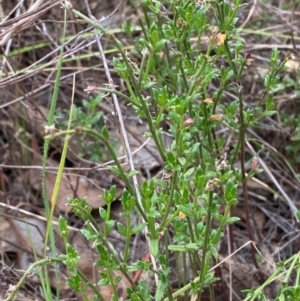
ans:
x=109 y=196
x=149 y=85
x=74 y=282
x=182 y=161
x=297 y=293
x=63 y=227
x=118 y=65
x=232 y=220
x=132 y=173
x=171 y=158
x=176 y=118
x=108 y=226
x=232 y=202
x=159 y=45
x=200 y=181
x=71 y=251
x=274 y=56
x=86 y=233
x=71 y=258
x=131 y=269
x=105 y=132
x=161 y=289
x=138 y=228
x=154 y=35
x=189 y=172
x=270 y=102
x=115 y=170
x=210 y=278
x=192 y=246
x=230 y=190
x=177 y=248
x=239 y=47
x=122 y=229
x=154 y=249
x=103 y=282
x=147 y=135
x=102 y=213
x=270 y=113
x=195 y=147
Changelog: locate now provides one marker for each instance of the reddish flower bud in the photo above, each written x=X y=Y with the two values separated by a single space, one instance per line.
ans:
x=189 y=122
x=254 y=163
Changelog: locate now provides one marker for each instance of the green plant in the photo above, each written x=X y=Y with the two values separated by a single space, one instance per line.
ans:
x=178 y=78
x=90 y=116
x=199 y=179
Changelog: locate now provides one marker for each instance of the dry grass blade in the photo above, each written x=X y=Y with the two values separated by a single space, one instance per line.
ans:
x=275 y=182
x=14 y=26
x=27 y=213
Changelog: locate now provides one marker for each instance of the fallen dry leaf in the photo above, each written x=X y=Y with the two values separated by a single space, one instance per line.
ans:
x=260 y=220
x=71 y=186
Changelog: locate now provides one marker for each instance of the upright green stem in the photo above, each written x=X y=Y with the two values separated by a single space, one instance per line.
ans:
x=170 y=202
x=48 y=211
x=128 y=236
x=206 y=244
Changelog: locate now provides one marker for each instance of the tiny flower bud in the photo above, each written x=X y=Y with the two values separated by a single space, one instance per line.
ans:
x=90 y=89
x=189 y=122
x=254 y=163
x=211 y=183
x=221 y=37
x=292 y=63
x=216 y=117
x=208 y=100
x=181 y=215
x=249 y=59
x=49 y=129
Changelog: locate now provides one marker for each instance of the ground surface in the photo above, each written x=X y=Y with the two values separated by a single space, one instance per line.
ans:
x=28 y=59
